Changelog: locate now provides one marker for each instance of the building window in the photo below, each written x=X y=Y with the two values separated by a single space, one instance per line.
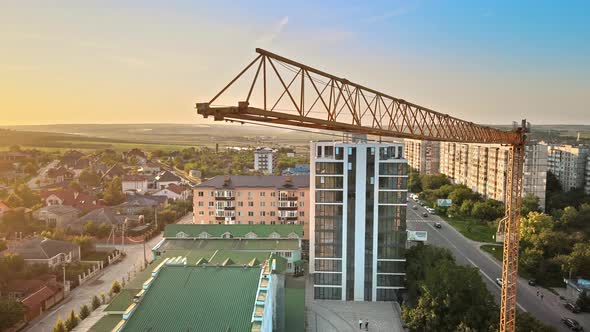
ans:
x=262 y=204
x=301 y=213
x=211 y=213
x=273 y=194
x=211 y=204
x=273 y=204
x=262 y=213
x=239 y=213
x=250 y=204
x=200 y=194
x=239 y=193
x=302 y=204
x=249 y=194
x=262 y=193
x=250 y=213
x=201 y=213
x=272 y=222
x=263 y=222
x=302 y=194
x=201 y=204
x=250 y=222
x=240 y=204
x=272 y=213
x=212 y=194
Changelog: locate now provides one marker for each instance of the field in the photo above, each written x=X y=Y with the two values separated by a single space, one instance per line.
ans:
x=473 y=230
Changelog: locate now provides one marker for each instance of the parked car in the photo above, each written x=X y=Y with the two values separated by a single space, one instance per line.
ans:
x=499 y=281
x=424 y=214
x=572 y=307
x=532 y=282
x=414 y=207
x=572 y=324
x=437 y=225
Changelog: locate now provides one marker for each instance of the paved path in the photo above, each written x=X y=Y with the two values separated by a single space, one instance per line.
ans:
x=32 y=183
x=467 y=252
x=98 y=285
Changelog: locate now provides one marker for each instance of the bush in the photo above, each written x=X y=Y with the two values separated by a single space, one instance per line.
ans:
x=116 y=287
x=84 y=312
x=584 y=301
x=95 y=302
x=59 y=326
x=72 y=321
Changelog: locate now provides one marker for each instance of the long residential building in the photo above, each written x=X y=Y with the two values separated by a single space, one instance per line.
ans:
x=424 y=156
x=587 y=186
x=568 y=164
x=483 y=168
x=265 y=160
x=358 y=224
x=253 y=200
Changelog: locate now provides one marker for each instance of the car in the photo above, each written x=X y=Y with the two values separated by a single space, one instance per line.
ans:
x=414 y=207
x=424 y=214
x=437 y=225
x=572 y=324
x=499 y=281
x=430 y=210
x=532 y=282
x=421 y=203
x=572 y=307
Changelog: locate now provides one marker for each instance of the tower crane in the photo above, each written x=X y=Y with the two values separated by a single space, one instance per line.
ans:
x=315 y=99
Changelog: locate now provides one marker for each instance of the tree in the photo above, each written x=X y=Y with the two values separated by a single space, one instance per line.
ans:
x=113 y=194
x=534 y=224
x=527 y=323
x=85 y=242
x=116 y=287
x=414 y=183
x=13 y=262
x=59 y=326
x=30 y=168
x=433 y=181
x=84 y=312
x=30 y=198
x=579 y=260
x=72 y=321
x=75 y=185
x=95 y=302
x=103 y=230
x=90 y=228
x=584 y=301
x=530 y=203
x=89 y=178
x=11 y=312
x=460 y=194
x=466 y=208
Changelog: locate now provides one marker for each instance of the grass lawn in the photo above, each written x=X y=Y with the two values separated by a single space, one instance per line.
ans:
x=495 y=251
x=295 y=304
x=474 y=230
x=96 y=256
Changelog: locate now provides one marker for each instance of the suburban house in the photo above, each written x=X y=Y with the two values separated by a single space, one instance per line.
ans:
x=71 y=197
x=71 y=159
x=59 y=174
x=135 y=204
x=174 y=192
x=41 y=250
x=115 y=171
x=150 y=168
x=136 y=154
x=166 y=178
x=14 y=156
x=106 y=215
x=57 y=215
x=42 y=300
x=134 y=184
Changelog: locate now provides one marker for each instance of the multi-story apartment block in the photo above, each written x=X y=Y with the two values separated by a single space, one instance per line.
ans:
x=358 y=223
x=264 y=160
x=587 y=187
x=568 y=164
x=253 y=200
x=483 y=167
x=424 y=156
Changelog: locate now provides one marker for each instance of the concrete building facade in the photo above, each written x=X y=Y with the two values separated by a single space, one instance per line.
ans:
x=264 y=160
x=358 y=223
x=424 y=156
x=568 y=164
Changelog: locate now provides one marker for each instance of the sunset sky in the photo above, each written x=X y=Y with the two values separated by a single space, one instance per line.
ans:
x=150 y=61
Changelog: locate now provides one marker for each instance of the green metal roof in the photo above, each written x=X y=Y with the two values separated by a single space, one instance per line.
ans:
x=239 y=257
x=198 y=298
x=106 y=323
x=216 y=230
x=122 y=300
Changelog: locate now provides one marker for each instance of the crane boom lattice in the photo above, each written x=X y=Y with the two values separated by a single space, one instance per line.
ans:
x=315 y=99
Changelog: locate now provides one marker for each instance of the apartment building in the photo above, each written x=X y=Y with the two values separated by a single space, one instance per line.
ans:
x=424 y=156
x=253 y=200
x=568 y=164
x=265 y=160
x=587 y=186
x=483 y=167
x=358 y=223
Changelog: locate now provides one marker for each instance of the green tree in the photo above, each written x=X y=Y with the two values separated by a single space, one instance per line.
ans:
x=13 y=262
x=89 y=178
x=530 y=203
x=116 y=287
x=91 y=228
x=75 y=185
x=30 y=168
x=86 y=244
x=466 y=208
x=527 y=323
x=30 y=198
x=95 y=302
x=84 y=312
x=11 y=312
x=72 y=321
x=59 y=326
x=103 y=230
x=113 y=194
x=579 y=260
x=460 y=194
x=533 y=225
x=434 y=181
x=414 y=182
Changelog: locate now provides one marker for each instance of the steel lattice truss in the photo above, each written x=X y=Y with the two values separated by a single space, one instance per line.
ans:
x=343 y=106
x=323 y=101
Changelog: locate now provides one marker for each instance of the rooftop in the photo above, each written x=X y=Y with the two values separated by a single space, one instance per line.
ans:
x=197 y=298
x=245 y=181
x=230 y=244
x=237 y=231
x=42 y=248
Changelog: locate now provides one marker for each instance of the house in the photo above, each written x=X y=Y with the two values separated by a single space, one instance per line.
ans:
x=106 y=215
x=59 y=174
x=3 y=208
x=174 y=192
x=19 y=289
x=195 y=173
x=165 y=178
x=134 y=184
x=74 y=159
x=13 y=156
x=136 y=154
x=57 y=215
x=41 y=250
x=135 y=204
x=71 y=197
x=150 y=168
x=115 y=171
x=42 y=300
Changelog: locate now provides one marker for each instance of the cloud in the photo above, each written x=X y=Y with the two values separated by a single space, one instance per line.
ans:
x=269 y=36
x=389 y=14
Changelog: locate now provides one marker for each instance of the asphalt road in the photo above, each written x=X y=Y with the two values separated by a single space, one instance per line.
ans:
x=467 y=252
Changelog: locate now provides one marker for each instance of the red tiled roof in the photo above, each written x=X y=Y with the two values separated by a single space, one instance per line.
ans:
x=74 y=198
x=176 y=188
x=33 y=300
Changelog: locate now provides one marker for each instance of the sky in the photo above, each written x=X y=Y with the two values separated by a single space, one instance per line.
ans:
x=490 y=62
